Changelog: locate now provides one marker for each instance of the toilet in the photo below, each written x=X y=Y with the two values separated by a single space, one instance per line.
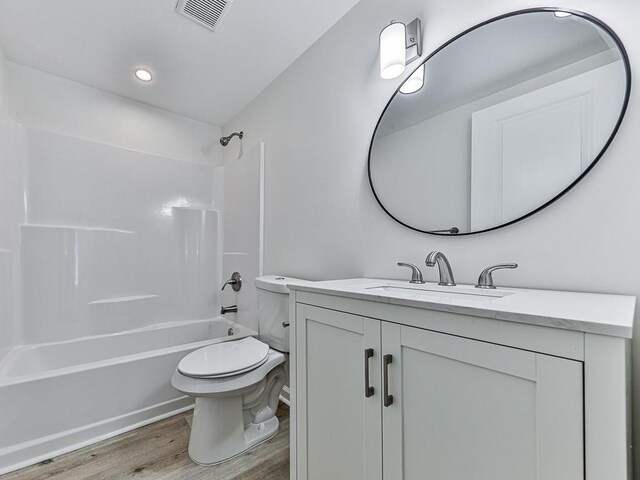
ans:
x=237 y=384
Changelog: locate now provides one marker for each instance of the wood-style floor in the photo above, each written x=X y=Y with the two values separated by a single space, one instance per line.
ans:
x=159 y=452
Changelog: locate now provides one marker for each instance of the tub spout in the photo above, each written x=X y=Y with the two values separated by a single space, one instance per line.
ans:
x=229 y=309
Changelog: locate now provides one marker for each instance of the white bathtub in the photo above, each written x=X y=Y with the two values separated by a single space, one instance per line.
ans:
x=57 y=397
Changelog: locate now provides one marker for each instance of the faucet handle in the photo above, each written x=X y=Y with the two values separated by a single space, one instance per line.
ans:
x=485 y=280
x=416 y=274
x=235 y=281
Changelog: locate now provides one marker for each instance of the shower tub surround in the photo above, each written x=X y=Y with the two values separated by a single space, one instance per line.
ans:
x=119 y=268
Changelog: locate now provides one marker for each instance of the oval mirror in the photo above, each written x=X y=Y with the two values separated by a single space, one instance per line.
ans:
x=511 y=115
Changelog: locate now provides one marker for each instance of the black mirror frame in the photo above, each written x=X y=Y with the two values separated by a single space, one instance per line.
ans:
x=623 y=111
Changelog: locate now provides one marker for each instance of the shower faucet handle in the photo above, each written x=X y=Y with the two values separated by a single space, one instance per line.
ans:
x=235 y=281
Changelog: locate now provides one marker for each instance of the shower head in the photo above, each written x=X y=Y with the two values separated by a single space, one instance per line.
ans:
x=224 y=141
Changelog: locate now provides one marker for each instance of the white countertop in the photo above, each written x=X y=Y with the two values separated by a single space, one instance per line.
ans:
x=584 y=312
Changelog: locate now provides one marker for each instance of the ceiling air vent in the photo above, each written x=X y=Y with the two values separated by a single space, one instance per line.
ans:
x=208 y=13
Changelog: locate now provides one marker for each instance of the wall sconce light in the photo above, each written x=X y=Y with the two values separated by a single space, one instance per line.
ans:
x=415 y=82
x=400 y=44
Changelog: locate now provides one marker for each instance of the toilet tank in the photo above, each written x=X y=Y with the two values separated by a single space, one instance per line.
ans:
x=273 y=310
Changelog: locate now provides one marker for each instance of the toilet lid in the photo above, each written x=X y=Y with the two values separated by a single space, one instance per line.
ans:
x=225 y=359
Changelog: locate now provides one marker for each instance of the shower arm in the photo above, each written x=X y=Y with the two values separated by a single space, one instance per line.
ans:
x=224 y=141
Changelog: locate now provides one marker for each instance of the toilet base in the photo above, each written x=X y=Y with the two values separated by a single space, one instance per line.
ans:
x=231 y=417
x=255 y=435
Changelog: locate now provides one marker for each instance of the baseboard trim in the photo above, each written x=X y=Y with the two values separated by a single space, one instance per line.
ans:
x=285 y=396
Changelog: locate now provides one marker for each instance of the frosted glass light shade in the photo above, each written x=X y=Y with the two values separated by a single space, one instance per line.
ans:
x=414 y=82
x=393 y=50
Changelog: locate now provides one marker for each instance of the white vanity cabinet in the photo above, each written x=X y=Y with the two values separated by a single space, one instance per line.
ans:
x=394 y=392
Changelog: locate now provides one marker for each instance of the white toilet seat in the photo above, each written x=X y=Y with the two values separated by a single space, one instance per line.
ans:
x=237 y=372
x=225 y=359
x=223 y=386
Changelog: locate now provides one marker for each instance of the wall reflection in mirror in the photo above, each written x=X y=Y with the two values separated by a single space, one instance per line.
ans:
x=511 y=115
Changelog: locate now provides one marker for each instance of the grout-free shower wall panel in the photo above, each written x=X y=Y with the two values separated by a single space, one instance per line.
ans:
x=198 y=257
x=11 y=213
x=107 y=246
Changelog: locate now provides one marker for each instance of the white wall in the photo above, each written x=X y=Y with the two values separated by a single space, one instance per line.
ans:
x=62 y=106
x=322 y=220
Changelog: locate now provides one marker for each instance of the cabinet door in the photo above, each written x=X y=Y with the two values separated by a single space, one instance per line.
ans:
x=339 y=425
x=464 y=409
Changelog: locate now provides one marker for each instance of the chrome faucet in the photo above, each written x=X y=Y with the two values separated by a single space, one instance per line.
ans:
x=416 y=274
x=444 y=268
x=486 y=279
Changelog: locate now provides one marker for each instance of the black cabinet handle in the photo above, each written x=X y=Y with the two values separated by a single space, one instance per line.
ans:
x=368 y=389
x=386 y=361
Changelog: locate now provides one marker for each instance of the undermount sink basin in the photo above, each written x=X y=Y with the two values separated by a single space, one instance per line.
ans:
x=417 y=291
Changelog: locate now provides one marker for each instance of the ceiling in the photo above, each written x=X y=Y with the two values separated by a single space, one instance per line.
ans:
x=209 y=76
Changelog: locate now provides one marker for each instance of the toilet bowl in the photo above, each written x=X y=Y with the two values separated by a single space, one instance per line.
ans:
x=235 y=409
x=237 y=384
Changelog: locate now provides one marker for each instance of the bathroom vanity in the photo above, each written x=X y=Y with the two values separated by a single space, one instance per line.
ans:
x=398 y=381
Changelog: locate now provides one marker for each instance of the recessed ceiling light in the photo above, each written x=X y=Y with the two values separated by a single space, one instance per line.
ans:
x=560 y=14
x=143 y=74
